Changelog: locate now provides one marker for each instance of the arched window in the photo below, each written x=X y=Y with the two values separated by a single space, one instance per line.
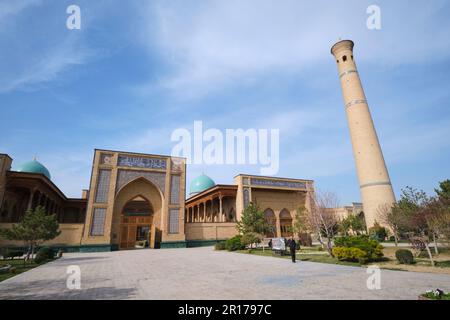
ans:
x=269 y=216
x=344 y=58
x=285 y=223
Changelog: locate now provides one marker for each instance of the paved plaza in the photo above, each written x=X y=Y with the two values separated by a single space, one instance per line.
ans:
x=202 y=273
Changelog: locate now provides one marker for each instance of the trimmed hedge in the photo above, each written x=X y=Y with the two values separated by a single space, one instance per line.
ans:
x=404 y=256
x=11 y=254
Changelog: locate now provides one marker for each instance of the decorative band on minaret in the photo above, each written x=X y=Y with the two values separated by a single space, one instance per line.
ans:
x=375 y=184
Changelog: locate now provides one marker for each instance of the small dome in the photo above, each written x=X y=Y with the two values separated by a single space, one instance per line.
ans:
x=34 y=166
x=201 y=183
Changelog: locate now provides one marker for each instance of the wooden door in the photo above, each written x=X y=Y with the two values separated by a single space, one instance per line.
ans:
x=124 y=237
x=131 y=236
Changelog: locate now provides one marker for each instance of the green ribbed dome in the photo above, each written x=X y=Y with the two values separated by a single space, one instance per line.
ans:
x=34 y=166
x=201 y=183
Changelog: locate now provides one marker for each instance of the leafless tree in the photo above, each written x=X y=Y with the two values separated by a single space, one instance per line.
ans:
x=391 y=218
x=323 y=218
x=437 y=216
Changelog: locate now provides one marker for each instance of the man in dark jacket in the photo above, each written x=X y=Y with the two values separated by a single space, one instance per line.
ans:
x=292 y=247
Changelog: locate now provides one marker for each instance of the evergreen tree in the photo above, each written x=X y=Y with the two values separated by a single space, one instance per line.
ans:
x=35 y=227
x=252 y=220
x=443 y=191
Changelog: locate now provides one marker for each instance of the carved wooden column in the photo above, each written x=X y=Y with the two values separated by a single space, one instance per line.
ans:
x=39 y=199
x=221 y=217
x=30 y=199
x=278 y=224
x=204 y=211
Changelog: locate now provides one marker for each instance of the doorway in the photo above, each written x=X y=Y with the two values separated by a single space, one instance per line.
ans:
x=136 y=224
x=135 y=236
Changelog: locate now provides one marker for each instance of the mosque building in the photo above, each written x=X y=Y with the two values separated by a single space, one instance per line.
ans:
x=138 y=201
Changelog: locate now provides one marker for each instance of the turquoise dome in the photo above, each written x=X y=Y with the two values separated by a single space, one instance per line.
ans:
x=34 y=166
x=201 y=183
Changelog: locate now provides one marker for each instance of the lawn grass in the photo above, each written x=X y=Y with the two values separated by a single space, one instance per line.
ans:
x=388 y=262
x=326 y=259
x=19 y=266
x=302 y=255
x=422 y=262
x=443 y=264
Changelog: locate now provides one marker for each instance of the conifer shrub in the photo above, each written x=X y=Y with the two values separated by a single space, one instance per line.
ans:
x=357 y=248
x=44 y=254
x=350 y=254
x=404 y=256
x=234 y=243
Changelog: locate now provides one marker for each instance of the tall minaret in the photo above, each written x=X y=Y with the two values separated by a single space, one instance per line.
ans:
x=374 y=182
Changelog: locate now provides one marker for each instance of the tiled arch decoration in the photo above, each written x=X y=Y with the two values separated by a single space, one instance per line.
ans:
x=125 y=176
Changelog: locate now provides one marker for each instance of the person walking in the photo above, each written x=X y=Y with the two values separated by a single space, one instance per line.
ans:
x=292 y=247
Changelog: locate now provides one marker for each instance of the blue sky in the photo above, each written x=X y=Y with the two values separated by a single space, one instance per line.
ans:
x=136 y=71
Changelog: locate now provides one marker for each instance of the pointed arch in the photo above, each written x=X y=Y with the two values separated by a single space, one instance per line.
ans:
x=125 y=229
x=286 y=223
x=270 y=218
x=138 y=179
x=139 y=205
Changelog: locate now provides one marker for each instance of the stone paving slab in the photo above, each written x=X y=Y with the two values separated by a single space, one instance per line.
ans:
x=202 y=273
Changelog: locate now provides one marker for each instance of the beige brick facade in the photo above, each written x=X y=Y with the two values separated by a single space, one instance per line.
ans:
x=134 y=175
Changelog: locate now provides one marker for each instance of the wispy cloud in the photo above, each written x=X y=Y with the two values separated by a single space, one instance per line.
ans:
x=30 y=59
x=8 y=9
x=51 y=64
x=226 y=43
x=246 y=64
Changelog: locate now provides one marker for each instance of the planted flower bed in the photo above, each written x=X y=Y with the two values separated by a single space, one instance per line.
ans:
x=437 y=294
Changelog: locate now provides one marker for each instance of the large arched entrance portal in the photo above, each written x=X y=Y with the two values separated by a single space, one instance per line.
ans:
x=137 y=216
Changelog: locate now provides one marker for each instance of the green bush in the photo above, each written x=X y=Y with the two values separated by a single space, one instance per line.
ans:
x=350 y=254
x=248 y=239
x=234 y=243
x=44 y=254
x=220 y=245
x=11 y=254
x=373 y=249
x=404 y=256
x=378 y=232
